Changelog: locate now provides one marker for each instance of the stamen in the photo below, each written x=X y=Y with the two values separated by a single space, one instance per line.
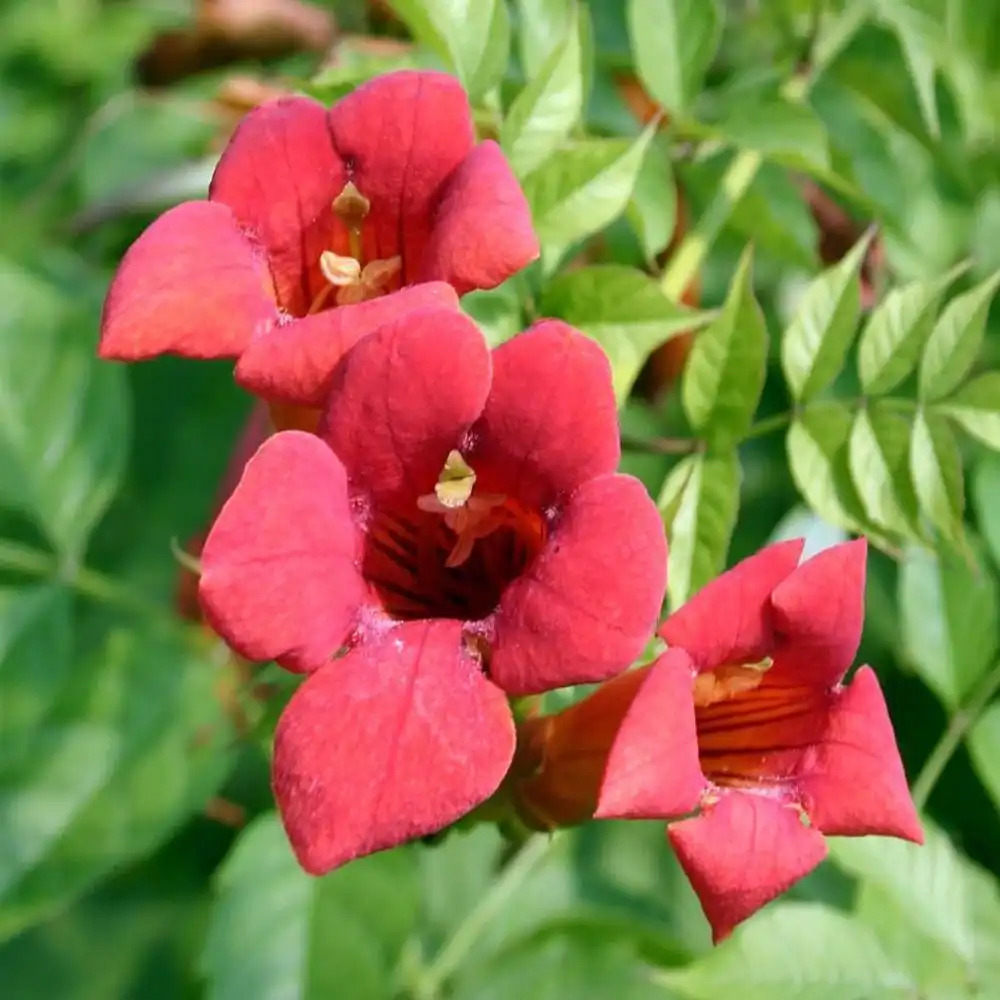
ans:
x=728 y=681
x=341 y=272
x=470 y=517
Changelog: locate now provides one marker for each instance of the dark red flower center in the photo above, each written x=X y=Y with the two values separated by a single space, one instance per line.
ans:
x=752 y=734
x=453 y=553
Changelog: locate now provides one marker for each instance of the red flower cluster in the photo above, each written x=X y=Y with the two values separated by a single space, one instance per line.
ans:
x=455 y=535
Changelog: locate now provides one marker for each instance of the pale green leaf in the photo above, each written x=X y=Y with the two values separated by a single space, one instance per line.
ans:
x=985 y=496
x=815 y=344
x=942 y=894
x=581 y=190
x=938 y=971
x=895 y=334
x=936 y=467
x=795 y=951
x=278 y=932
x=724 y=373
x=984 y=749
x=472 y=36
x=700 y=501
x=674 y=43
x=652 y=210
x=955 y=340
x=878 y=456
x=786 y=132
x=548 y=108
x=624 y=310
x=817 y=446
x=948 y=621
x=542 y=26
x=570 y=964
x=63 y=413
x=497 y=311
x=136 y=742
x=976 y=408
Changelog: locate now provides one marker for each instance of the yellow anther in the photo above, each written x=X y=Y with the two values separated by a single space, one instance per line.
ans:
x=728 y=681
x=342 y=272
x=457 y=479
x=470 y=517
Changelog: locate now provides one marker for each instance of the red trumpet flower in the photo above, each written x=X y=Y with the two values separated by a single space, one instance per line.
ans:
x=451 y=537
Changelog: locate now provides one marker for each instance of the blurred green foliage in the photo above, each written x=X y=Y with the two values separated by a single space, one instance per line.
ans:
x=130 y=753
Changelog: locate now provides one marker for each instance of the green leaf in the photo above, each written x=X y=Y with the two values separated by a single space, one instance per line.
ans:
x=581 y=190
x=936 y=467
x=472 y=36
x=985 y=495
x=955 y=340
x=700 y=501
x=542 y=26
x=63 y=413
x=652 y=210
x=942 y=894
x=789 y=133
x=984 y=749
x=817 y=446
x=896 y=332
x=278 y=932
x=878 y=456
x=815 y=344
x=548 y=108
x=724 y=374
x=674 y=43
x=795 y=951
x=136 y=743
x=948 y=621
x=976 y=408
x=938 y=972
x=624 y=310
x=912 y=27
x=497 y=311
x=35 y=656
x=571 y=965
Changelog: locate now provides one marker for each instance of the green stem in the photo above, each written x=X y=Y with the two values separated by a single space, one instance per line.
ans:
x=660 y=445
x=961 y=722
x=769 y=424
x=450 y=957
x=690 y=255
x=87 y=582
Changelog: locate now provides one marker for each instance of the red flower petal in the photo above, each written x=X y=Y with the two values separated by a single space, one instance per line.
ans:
x=394 y=741
x=550 y=422
x=741 y=852
x=855 y=784
x=653 y=771
x=295 y=362
x=586 y=607
x=818 y=613
x=279 y=569
x=402 y=135
x=482 y=231
x=403 y=398
x=727 y=621
x=191 y=284
x=279 y=174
